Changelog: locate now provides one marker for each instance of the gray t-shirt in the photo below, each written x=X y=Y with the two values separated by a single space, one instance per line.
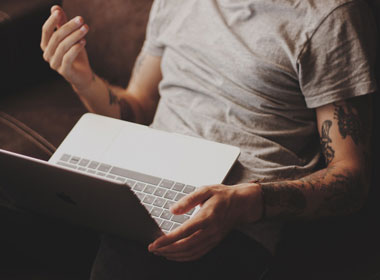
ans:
x=251 y=72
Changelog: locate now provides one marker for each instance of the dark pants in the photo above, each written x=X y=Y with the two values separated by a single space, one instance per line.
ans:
x=237 y=257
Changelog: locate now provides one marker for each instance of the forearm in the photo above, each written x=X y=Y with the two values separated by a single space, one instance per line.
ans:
x=102 y=98
x=333 y=191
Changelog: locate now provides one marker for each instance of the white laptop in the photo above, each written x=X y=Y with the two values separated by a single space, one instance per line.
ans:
x=116 y=177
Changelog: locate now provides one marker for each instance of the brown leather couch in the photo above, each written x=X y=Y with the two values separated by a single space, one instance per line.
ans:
x=38 y=109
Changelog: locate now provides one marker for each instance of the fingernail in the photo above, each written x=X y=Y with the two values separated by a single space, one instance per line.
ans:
x=56 y=14
x=84 y=28
x=78 y=20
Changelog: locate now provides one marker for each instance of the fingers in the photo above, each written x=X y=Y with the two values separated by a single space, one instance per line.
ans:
x=187 y=229
x=65 y=45
x=70 y=56
x=59 y=35
x=190 y=201
x=48 y=29
x=62 y=14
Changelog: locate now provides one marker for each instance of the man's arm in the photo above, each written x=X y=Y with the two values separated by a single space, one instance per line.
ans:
x=63 y=46
x=137 y=103
x=340 y=188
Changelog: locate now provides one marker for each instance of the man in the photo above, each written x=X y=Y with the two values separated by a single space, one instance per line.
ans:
x=281 y=80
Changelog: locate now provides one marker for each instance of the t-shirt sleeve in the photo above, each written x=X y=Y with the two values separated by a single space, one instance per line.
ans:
x=338 y=62
x=151 y=44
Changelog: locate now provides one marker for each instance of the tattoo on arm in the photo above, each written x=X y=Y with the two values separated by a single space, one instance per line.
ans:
x=349 y=122
x=334 y=193
x=327 y=150
x=126 y=111
x=284 y=196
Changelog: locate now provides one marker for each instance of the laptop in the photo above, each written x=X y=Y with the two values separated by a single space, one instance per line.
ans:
x=116 y=177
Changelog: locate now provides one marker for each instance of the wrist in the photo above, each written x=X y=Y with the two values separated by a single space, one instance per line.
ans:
x=251 y=203
x=87 y=87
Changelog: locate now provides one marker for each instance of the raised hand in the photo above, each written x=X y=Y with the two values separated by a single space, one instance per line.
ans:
x=63 y=46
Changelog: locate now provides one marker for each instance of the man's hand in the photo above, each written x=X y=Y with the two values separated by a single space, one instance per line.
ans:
x=222 y=208
x=63 y=44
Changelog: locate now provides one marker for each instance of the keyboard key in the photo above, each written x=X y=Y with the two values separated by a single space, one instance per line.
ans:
x=159 y=202
x=149 y=189
x=170 y=194
x=131 y=183
x=65 y=157
x=166 y=225
x=91 y=171
x=120 y=179
x=111 y=177
x=135 y=176
x=64 y=164
x=160 y=192
x=104 y=168
x=175 y=226
x=84 y=162
x=158 y=221
x=189 y=189
x=139 y=187
x=101 y=174
x=148 y=207
x=82 y=169
x=166 y=215
x=93 y=164
x=191 y=212
x=140 y=195
x=178 y=187
x=156 y=212
x=167 y=184
x=74 y=160
x=179 y=196
x=149 y=199
x=180 y=218
x=169 y=204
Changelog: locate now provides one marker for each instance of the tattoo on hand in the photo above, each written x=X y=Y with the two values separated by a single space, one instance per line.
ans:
x=327 y=150
x=349 y=123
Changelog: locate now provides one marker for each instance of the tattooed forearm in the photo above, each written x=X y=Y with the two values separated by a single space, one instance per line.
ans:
x=126 y=111
x=329 y=192
x=326 y=141
x=288 y=199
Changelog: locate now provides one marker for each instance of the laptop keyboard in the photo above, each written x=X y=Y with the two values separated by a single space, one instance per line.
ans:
x=156 y=194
